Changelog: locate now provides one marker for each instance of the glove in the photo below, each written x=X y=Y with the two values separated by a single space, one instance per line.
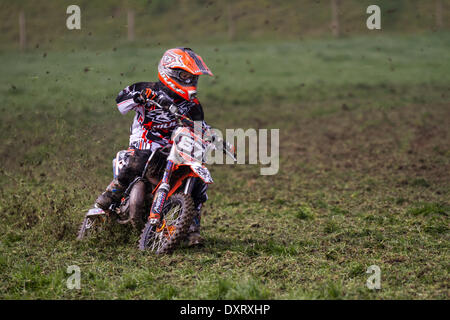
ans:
x=148 y=94
x=163 y=99
x=143 y=96
x=138 y=98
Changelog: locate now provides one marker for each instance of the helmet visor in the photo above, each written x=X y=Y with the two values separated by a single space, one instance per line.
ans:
x=183 y=77
x=186 y=76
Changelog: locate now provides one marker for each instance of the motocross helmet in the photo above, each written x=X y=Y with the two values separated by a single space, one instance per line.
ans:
x=179 y=70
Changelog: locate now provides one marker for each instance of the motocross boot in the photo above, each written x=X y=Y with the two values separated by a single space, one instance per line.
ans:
x=113 y=193
x=193 y=237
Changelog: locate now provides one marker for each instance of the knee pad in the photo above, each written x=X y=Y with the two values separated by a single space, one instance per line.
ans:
x=121 y=160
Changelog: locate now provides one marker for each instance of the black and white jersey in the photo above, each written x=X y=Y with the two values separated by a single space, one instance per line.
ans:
x=152 y=127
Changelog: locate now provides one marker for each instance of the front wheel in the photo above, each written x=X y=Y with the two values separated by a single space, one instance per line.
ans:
x=177 y=216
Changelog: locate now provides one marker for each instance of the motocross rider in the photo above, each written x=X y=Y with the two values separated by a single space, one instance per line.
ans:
x=178 y=73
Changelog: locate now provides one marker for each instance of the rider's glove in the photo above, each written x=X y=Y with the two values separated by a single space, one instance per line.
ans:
x=163 y=99
x=142 y=97
x=138 y=98
x=148 y=94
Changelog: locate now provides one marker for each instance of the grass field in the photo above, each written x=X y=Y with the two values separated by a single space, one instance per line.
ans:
x=364 y=173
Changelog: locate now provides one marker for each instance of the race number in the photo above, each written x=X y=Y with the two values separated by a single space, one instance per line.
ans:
x=189 y=146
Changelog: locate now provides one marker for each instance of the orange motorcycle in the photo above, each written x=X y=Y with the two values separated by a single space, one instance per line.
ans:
x=159 y=202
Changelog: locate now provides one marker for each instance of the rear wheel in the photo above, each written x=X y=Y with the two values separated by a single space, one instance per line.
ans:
x=138 y=206
x=177 y=216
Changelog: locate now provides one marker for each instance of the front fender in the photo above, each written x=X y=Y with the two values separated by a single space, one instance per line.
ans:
x=197 y=170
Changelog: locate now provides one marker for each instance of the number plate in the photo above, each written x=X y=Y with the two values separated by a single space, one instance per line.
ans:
x=203 y=173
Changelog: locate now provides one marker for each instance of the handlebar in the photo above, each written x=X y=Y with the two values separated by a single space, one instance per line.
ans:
x=226 y=147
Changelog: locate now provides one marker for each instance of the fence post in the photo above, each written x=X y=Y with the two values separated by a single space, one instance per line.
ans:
x=130 y=21
x=439 y=21
x=22 y=32
x=335 y=17
x=231 y=21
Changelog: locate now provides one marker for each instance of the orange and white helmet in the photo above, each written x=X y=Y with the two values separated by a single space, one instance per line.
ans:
x=179 y=69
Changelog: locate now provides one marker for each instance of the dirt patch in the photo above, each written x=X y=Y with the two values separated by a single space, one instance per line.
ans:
x=409 y=141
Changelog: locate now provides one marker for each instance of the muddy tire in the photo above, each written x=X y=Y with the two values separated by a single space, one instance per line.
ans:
x=138 y=206
x=178 y=214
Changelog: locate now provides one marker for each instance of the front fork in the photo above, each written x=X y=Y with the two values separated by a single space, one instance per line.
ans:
x=161 y=195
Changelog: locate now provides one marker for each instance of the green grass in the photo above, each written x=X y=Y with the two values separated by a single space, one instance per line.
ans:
x=363 y=174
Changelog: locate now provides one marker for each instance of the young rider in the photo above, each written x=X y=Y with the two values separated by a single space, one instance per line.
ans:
x=178 y=73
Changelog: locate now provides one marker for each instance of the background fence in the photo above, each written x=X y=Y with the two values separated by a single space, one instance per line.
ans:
x=24 y=24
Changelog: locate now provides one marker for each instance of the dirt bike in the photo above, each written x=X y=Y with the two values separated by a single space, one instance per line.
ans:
x=159 y=202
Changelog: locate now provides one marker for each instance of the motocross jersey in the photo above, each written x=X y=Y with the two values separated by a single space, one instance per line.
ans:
x=152 y=127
